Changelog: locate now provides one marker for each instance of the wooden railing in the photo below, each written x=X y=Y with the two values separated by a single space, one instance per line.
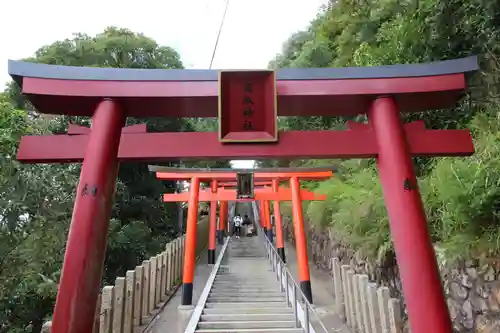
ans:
x=136 y=298
x=364 y=307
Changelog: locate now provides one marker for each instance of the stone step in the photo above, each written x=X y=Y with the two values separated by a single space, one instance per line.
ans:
x=246 y=324
x=250 y=330
x=239 y=286
x=246 y=281
x=243 y=316
x=246 y=293
x=231 y=289
x=244 y=277
x=246 y=285
x=264 y=305
x=245 y=296
x=249 y=310
x=245 y=299
x=258 y=273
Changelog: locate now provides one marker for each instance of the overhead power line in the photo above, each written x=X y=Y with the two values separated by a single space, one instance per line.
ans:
x=218 y=34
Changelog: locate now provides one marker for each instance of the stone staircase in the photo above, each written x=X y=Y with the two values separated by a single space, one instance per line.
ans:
x=246 y=296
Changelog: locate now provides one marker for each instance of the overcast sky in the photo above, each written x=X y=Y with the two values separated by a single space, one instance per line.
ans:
x=253 y=32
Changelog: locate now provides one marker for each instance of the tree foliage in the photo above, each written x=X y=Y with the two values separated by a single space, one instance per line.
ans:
x=460 y=194
x=36 y=201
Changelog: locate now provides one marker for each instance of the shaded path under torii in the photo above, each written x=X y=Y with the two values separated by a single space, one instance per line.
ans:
x=322 y=287
x=168 y=318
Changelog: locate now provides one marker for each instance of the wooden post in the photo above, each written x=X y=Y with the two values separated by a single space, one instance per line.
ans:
x=373 y=309
x=97 y=318
x=145 y=289
x=394 y=316
x=152 y=284
x=168 y=285
x=357 y=303
x=176 y=260
x=118 y=304
x=106 y=309
x=363 y=286
x=163 y=290
x=159 y=259
x=350 y=280
x=337 y=285
x=128 y=314
x=347 y=295
x=182 y=246
x=383 y=305
x=180 y=256
x=139 y=273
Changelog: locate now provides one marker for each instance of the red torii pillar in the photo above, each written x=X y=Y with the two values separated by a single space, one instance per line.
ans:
x=222 y=220
x=419 y=273
x=267 y=220
x=278 y=225
x=212 y=231
x=190 y=242
x=86 y=247
x=300 y=239
x=262 y=219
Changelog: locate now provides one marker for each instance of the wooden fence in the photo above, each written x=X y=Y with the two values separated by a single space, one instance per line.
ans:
x=131 y=302
x=364 y=307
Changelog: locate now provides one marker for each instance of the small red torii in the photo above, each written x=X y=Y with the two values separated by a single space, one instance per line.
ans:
x=213 y=176
x=264 y=195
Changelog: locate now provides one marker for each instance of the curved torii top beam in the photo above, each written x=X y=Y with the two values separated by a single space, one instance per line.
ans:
x=194 y=93
x=227 y=174
x=209 y=176
x=231 y=183
x=158 y=168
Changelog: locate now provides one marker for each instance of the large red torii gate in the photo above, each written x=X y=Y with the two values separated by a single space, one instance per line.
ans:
x=247 y=103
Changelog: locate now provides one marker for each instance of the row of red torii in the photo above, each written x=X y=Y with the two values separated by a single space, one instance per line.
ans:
x=225 y=179
x=247 y=104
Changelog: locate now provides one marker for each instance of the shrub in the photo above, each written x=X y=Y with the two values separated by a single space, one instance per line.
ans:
x=461 y=197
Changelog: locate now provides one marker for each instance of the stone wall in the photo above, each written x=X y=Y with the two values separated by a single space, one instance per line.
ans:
x=473 y=296
x=472 y=291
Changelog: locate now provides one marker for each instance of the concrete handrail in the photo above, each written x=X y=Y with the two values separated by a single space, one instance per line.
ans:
x=133 y=299
x=364 y=307
x=195 y=317
x=294 y=295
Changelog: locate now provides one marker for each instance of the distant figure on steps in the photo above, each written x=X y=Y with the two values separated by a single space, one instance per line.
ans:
x=247 y=223
x=237 y=222
x=246 y=220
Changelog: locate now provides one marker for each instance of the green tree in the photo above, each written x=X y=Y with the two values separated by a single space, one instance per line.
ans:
x=375 y=33
x=36 y=204
x=36 y=200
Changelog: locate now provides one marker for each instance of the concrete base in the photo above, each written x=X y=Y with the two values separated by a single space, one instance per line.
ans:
x=46 y=327
x=185 y=312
